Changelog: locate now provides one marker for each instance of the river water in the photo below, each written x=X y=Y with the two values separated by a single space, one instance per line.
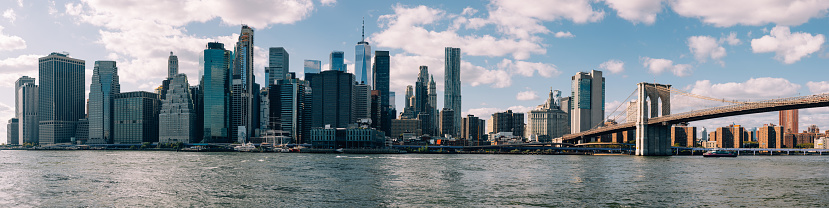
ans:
x=186 y=179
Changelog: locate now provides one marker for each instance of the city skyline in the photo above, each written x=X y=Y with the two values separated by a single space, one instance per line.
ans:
x=702 y=54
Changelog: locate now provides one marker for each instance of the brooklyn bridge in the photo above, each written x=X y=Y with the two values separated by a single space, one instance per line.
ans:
x=653 y=129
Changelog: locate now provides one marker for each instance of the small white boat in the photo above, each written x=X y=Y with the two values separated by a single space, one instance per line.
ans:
x=247 y=147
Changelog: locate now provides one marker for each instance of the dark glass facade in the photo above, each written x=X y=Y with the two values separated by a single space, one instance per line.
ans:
x=215 y=85
x=331 y=98
x=136 y=117
x=382 y=66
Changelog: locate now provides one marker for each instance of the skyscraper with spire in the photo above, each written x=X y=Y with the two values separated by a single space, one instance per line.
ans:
x=362 y=65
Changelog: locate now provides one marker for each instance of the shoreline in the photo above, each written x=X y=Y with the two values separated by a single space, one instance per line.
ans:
x=398 y=151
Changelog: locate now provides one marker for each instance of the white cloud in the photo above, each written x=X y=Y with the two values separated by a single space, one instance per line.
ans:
x=567 y=34
x=657 y=66
x=613 y=65
x=15 y=67
x=141 y=35
x=10 y=15
x=52 y=9
x=477 y=75
x=406 y=29
x=523 y=19
x=788 y=47
x=818 y=87
x=751 y=12
x=20 y=62
x=10 y=42
x=468 y=11
x=705 y=47
x=732 y=39
x=527 y=69
x=526 y=95
x=257 y=14
x=636 y=11
x=328 y=2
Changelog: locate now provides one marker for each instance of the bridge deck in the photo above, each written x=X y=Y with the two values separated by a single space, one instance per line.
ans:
x=810 y=101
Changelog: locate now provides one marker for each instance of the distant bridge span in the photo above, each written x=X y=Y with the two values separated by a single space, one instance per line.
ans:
x=652 y=131
x=811 y=101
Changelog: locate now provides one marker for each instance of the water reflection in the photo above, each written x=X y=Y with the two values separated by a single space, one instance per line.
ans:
x=130 y=179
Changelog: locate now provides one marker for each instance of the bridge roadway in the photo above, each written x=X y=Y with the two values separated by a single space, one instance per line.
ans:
x=810 y=101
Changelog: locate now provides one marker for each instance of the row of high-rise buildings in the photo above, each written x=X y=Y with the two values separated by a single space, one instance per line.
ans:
x=421 y=100
x=558 y=116
x=225 y=104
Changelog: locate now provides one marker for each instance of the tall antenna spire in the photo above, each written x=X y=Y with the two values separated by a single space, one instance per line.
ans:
x=364 y=29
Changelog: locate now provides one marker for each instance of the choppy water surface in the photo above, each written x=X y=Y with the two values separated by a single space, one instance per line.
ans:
x=178 y=179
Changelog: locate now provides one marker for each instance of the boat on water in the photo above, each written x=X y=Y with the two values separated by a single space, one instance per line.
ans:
x=247 y=147
x=719 y=153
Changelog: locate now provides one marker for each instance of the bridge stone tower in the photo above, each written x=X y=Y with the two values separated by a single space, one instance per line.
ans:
x=654 y=139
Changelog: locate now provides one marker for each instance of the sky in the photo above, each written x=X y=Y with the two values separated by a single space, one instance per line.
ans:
x=513 y=51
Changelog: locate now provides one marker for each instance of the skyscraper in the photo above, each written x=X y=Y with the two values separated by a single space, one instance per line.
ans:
x=12 y=131
x=17 y=85
x=244 y=92
x=60 y=97
x=197 y=97
x=409 y=106
x=277 y=65
x=136 y=117
x=177 y=118
x=332 y=98
x=172 y=66
x=587 y=101
x=27 y=102
x=433 y=107
x=290 y=102
x=424 y=111
x=452 y=84
x=105 y=84
x=362 y=65
x=789 y=121
x=382 y=66
x=215 y=86
x=362 y=101
x=337 y=61
x=313 y=66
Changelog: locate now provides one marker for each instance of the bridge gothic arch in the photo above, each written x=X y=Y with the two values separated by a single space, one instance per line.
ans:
x=652 y=140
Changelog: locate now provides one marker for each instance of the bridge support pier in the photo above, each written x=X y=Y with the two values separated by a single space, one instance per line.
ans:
x=653 y=140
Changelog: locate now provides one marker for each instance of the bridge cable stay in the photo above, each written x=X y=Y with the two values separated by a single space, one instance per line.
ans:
x=620 y=105
x=688 y=94
x=614 y=111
